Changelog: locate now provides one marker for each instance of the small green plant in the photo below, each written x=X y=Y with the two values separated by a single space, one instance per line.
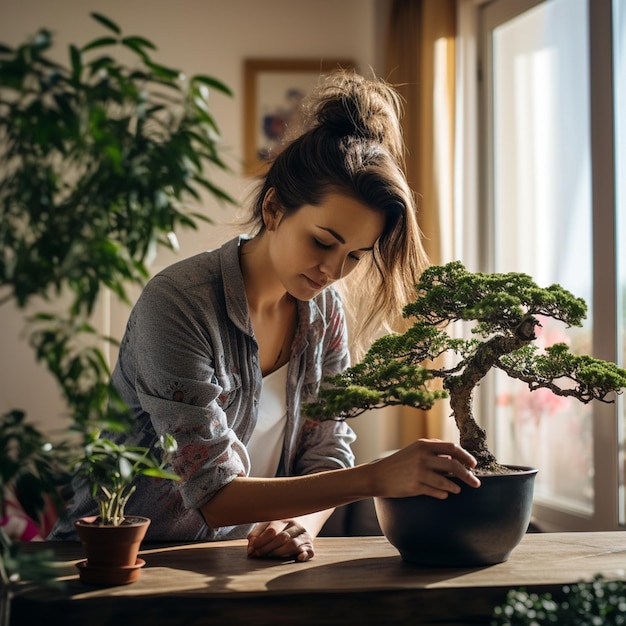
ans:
x=601 y=602
x=111 y=469
x=505 y=309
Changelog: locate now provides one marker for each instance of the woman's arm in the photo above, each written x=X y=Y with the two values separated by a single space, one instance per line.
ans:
x=418 y=469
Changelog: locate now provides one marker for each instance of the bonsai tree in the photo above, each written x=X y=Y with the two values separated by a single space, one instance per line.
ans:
x=100 y=162
x=506 y=310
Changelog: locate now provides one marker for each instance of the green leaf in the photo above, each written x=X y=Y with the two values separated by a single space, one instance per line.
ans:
x=106 y=22
x=216 y=191
x=99 y=43
x=77 y=63
x=163 y=71
x=212 y=82
x=158 y=473
x=138 y=43
x=43 y=40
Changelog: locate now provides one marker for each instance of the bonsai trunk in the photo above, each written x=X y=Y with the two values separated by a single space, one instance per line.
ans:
x=461 y=389
x=471 y=436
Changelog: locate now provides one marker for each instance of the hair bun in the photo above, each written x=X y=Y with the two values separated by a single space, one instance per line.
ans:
x=346 y=104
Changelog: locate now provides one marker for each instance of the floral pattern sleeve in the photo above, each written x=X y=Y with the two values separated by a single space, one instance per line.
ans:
x=326 y=445
x=182 y=392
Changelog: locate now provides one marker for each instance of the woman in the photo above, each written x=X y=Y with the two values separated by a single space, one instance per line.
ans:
x=222 y=349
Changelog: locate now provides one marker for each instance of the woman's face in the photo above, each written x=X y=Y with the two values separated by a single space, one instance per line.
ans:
x=317 y=245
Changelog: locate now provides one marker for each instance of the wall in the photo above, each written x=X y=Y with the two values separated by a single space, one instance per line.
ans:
x=196 y=36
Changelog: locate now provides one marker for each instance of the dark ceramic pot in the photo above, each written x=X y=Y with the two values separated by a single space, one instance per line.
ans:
x=111 y=551
x=475 y=527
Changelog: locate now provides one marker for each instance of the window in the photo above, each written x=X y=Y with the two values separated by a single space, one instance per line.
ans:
x=547 y=208
x=619 y=86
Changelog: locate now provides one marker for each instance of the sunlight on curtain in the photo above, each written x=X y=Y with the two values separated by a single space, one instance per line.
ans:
x=542 y=205
x=443 y=145
x=421 y=62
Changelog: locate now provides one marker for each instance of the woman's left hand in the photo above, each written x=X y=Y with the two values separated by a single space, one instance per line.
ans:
x=281 y=539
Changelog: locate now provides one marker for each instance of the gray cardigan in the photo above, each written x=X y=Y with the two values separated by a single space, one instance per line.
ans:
x=188 y=366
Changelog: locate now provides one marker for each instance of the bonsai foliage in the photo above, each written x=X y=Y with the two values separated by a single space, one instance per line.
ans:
x=505 y=310
x=111 y=469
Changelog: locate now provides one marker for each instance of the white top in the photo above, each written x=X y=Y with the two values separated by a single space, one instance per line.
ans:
x=266 y=443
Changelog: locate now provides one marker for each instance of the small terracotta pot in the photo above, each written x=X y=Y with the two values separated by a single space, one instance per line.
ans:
x=111 y=551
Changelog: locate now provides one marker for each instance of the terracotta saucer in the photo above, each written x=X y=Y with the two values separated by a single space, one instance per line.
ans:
x=122 y=575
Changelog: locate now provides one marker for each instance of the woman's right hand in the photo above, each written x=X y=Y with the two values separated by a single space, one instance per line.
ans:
x=421 y=468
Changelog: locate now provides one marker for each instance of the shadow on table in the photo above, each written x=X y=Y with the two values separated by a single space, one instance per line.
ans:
x=365 y=573
x=222 y=566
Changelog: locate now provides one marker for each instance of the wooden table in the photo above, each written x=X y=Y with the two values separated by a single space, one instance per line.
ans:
x=354 y=580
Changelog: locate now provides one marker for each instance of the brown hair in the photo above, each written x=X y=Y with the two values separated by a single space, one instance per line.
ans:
x=351 y=143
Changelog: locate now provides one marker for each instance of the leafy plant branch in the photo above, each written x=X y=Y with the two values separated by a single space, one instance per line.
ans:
x=98 y=158
x=99 y=161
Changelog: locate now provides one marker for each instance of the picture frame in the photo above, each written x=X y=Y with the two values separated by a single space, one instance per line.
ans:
x=273 y=89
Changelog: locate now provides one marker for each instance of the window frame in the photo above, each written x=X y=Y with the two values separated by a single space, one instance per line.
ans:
x=475 y=202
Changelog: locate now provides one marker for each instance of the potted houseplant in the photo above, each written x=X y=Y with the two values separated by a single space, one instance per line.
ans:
x=111 y=540
x=599 y=601
x=100 y=160
x=483 y=525
x=31 y=470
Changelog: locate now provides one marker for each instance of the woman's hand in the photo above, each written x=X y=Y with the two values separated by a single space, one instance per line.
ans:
x=423 y=468
x=281 y=539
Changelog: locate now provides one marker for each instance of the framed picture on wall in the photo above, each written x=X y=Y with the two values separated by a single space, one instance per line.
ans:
x=273 y=90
